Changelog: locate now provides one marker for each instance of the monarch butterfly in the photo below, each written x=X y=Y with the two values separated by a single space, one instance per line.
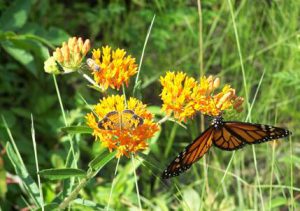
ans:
x=125 y=120
x=228 y=136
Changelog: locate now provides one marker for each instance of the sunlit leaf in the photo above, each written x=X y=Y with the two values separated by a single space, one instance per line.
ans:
x=77 y=130
x=15 y=16
x=101 y=160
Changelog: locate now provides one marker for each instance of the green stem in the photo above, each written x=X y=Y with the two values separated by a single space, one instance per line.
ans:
x=63 y=113
x=257 y=176
x=136 y=184
x=142 y=56
x=240 y=54
x=171 y=139
x=36 y=162
x=112 y=184
x=292 y=176
x=75 y=192
x=124 y=93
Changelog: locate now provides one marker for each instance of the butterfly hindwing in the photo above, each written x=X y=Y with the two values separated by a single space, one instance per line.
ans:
x=192 y=153
x=255 y=133
x=225 y=140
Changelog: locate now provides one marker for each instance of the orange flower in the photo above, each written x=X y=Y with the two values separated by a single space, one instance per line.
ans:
x=69 y=57
x=184 y=96
x=120 y=130
x=115 y=67
x=176 y=95
x=207 y=102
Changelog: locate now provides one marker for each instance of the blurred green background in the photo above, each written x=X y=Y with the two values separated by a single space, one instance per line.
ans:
x=268 y=32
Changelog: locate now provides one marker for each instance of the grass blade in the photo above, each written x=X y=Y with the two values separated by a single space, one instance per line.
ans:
x=30 y=186
x=36 y=161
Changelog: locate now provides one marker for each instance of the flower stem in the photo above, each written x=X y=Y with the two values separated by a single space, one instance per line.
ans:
x=75 y=192
x=64 y=117
x=124 y=93
x=136 y=184
x=112 y=185
x=164 y=119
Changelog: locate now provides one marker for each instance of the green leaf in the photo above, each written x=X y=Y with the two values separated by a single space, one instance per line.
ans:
x=56 y=35
x=21 y=55
x=15 y=16
x=77 y=130
x=59 y=174
x=101 y=160
x=190 y=196
x=3 y=186
x=279 y=201
x=22 y=172
x=88 y=203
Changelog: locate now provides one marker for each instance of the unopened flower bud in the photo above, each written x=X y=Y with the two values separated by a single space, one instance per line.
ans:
x=216 y=83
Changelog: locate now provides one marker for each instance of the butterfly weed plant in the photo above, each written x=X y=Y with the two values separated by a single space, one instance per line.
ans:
x=124 y=126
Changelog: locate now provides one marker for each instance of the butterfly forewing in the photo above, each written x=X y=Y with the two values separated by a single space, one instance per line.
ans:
x=192 y=153
x=255 y=133
x=130 y=120
x=111 y=121
x=125 y=120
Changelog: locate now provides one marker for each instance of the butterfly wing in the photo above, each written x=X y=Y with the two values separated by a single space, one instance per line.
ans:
x=111 y=121
x=192 y=153
x=226 y=140
x=130 y=120
x=255 y=133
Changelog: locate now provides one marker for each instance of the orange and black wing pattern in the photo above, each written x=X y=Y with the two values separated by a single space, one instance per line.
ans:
x=111 y=121
x=115 y=120
x=130 y=120
x=192 y=153
x=224 y=139
x=250 y=133
x=226 y=136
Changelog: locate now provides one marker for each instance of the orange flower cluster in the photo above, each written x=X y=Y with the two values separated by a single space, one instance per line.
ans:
x=176 y=95
x=69 y=56
x=184 y=96
x=207 y=102
x=115 y=67
x=119 y=135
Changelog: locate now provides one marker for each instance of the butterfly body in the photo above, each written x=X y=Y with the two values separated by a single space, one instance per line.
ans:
x=226 y=135
x=125 y=120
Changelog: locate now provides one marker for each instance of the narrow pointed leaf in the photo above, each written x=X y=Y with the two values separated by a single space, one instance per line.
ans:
x=65 y=173
x=77 y=130
x=101 y=160
x=22 y=172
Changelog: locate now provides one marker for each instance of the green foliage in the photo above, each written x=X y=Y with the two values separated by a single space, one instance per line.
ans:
x=268 y=33
x=60 y=174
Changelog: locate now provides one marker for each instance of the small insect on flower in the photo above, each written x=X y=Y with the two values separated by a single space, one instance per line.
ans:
x=122 y=126
x=117 y=67
x=91 y=63
x=125 y=120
